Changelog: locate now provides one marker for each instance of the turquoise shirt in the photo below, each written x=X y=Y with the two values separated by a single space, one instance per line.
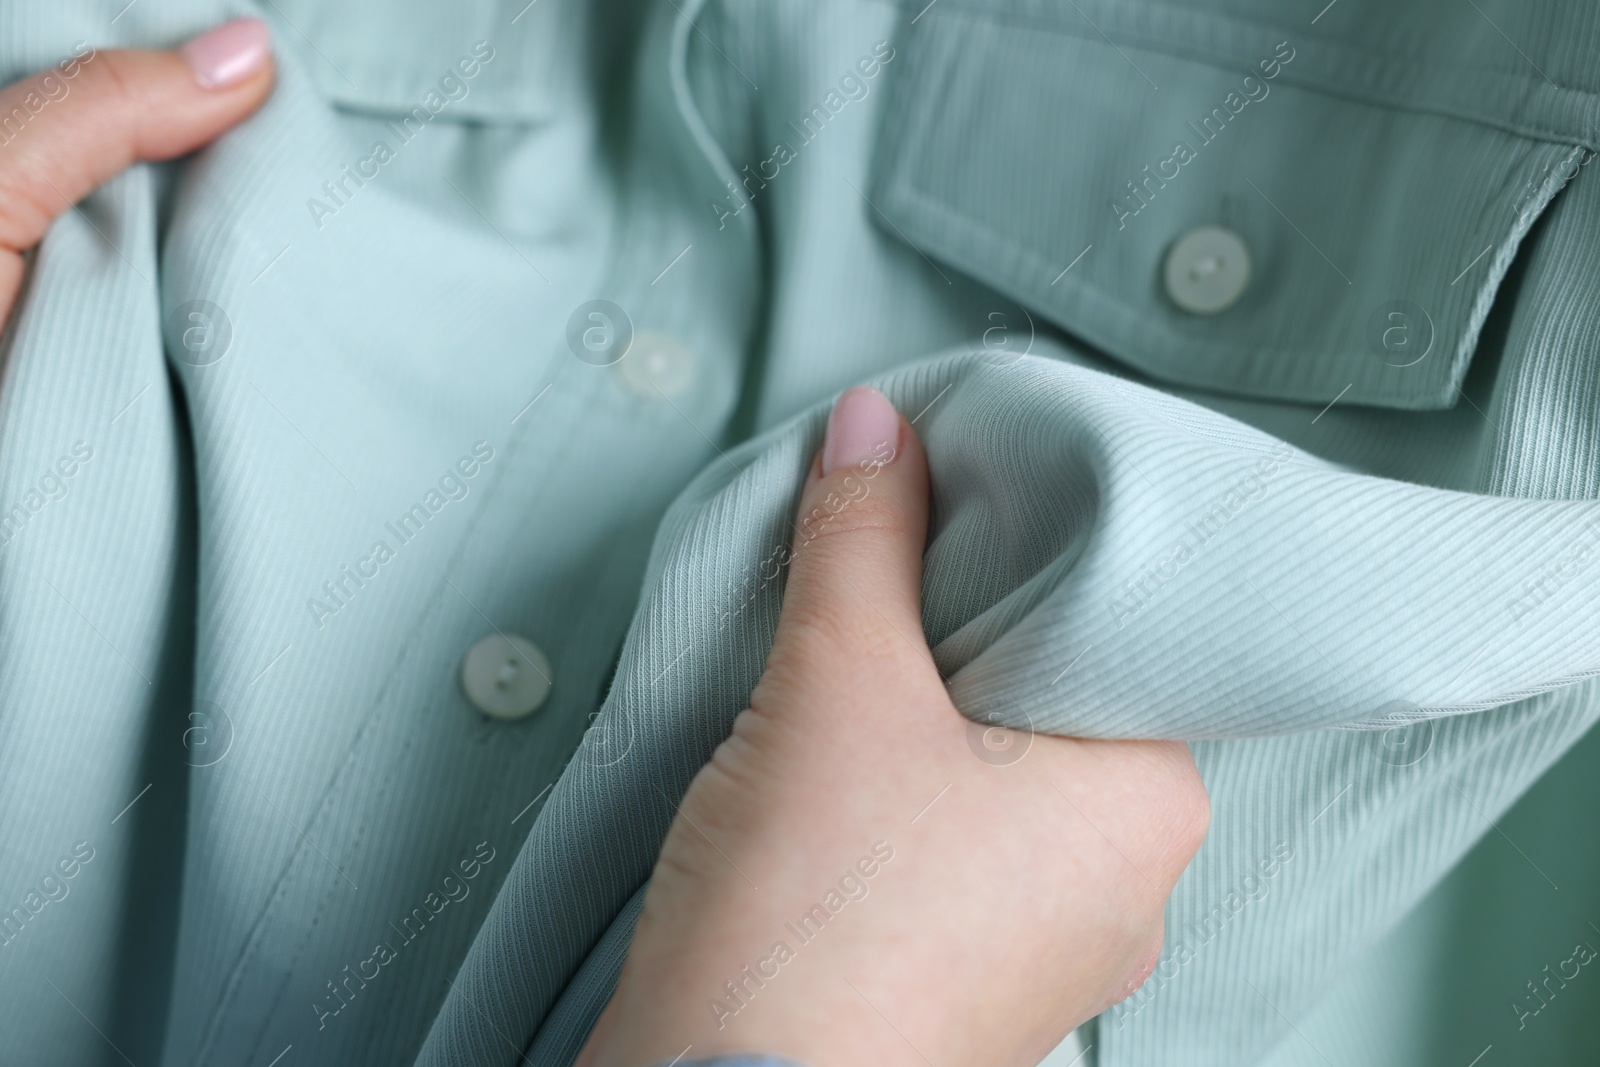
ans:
x=1254 y=347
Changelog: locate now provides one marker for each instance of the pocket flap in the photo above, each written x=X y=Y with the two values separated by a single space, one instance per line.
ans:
x=1212 y=205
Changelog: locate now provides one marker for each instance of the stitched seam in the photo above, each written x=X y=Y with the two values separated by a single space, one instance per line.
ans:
x=1345 y=59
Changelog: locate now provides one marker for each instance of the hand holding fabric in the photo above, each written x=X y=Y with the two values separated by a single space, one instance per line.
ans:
x=845 y=882
x=67 y=129
x=1105 y=561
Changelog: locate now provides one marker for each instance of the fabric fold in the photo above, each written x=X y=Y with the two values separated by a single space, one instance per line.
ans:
x=1104 y=560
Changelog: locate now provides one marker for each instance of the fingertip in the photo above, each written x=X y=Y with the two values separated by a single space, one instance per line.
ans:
x=92 y=115
x=863 y=427
x=867 y=439
x=227 y=55
x=862 y=522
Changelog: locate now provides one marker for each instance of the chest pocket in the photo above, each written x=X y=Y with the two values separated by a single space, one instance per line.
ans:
x=1218 y=203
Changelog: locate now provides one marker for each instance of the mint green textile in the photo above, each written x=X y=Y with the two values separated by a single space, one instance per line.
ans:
x=1360 y=580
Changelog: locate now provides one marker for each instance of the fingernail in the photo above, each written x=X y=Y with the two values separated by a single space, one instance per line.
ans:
x=229 y=53
x=863 y=428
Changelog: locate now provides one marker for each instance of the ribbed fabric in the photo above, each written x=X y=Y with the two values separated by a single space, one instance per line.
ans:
x=423 y=319
x=1261 y=563
x=567 y=1027
x=1453 y=978
x=1028 y=503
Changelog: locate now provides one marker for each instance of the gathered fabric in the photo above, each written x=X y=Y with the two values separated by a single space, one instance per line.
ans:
x=290 y=427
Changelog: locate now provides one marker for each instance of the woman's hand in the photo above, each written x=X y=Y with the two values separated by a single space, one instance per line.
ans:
x=65 y=130
x=849 y=881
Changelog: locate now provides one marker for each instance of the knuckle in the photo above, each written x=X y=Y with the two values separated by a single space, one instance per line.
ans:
x=1148 y=943
x=846 y=524
x=1161 y=809
x=112 y=82
x=1188 y=808
x=738 y=754
x=1175 y=807
x=1199 y=820
x=94 y=115
x=738 y=766
x=1180 y=831
x=721 y=798
x=826 y=631
x=679 y=860
x=847 y=510
x=27 y=203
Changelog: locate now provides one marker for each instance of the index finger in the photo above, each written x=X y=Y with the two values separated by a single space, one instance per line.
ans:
x=67 y=129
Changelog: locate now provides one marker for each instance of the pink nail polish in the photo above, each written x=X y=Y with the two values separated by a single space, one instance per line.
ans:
x=228 y=53
x=863 y=428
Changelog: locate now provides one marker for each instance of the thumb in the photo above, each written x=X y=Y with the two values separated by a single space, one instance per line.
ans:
x=854 y=593
x=67 y=129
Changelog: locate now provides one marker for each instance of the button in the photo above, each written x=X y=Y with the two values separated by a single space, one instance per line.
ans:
x=506 y=676
x=656 y=365
x=1207 y=270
